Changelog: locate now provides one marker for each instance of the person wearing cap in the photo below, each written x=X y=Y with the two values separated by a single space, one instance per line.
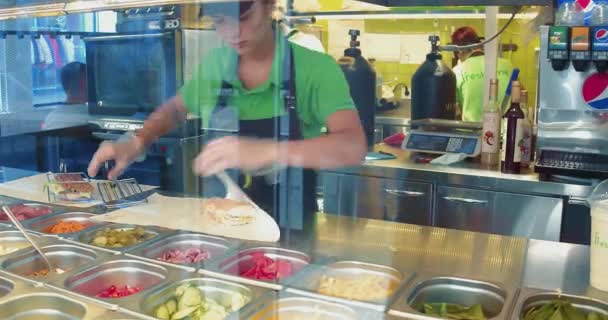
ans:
x=289 y=105
x=470 y=75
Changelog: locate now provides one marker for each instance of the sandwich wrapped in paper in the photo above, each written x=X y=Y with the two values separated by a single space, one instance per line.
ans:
x=229 y=212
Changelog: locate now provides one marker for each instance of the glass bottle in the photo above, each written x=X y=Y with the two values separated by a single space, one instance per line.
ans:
x=513 y=140
x=490 y=140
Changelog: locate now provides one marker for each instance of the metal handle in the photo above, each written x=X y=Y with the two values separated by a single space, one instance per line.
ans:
x=106 y=136
x=128 y=37
x=465 y=200
x=404 y=193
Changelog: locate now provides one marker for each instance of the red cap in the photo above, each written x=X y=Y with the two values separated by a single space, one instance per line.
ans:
x=465 y=36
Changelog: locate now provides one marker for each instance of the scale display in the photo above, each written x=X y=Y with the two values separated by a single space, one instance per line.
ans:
x=443 y=143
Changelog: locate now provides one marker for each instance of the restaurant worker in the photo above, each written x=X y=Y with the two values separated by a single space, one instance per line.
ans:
x=289 y=107
x=470 y=75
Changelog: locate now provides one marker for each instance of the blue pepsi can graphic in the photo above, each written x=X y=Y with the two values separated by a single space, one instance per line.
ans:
x=600 y=38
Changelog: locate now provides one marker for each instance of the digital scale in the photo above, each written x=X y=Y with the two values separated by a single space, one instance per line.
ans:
x=440 y=136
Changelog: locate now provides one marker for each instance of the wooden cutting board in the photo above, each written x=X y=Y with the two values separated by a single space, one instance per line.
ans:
x=187 y=214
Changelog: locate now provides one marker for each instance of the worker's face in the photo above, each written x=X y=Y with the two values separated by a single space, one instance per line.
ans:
x=249 y=30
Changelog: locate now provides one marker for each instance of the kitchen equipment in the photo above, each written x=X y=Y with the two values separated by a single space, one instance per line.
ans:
x=132 y=73
x=572 y=124
x=16 y=222
x=121 y=193
x=434 y=87
x=444 y=136
x=361 y=79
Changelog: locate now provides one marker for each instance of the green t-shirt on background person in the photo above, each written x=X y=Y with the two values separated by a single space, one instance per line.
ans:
x=470 y=85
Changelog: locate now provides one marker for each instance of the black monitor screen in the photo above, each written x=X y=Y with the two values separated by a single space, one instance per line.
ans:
x=128 y=74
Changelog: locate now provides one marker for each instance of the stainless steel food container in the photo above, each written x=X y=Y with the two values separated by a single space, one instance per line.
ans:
x=87 y=236
x=62 y=255
x=285 y=305
x=14 y=240
x=233 y=264
x=530 y=297
x=495 y=298
x=6 y=287
x=309 y=281
x=217 y=289
x=25 y=301
x=54 y=209
x=86 y=282
x=216 y=246
x=40 y=225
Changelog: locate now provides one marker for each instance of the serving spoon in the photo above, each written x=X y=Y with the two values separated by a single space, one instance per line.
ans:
x=16 y=222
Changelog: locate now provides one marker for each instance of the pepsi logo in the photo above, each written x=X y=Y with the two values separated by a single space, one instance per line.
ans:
x=601 y=35
x=595 y=91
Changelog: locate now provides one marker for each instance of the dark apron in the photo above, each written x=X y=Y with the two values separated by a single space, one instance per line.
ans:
x=290 y=198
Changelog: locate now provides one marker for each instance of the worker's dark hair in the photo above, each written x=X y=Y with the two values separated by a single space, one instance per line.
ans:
x=71 y=76
x=465 y=36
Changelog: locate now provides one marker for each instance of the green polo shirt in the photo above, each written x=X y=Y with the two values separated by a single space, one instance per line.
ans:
x=321 y=88
x=470 y=85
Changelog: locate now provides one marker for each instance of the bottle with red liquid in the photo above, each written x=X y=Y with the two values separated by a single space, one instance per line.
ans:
x=513 y=141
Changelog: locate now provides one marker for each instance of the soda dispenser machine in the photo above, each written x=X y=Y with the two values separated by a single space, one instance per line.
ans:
x=573 y=102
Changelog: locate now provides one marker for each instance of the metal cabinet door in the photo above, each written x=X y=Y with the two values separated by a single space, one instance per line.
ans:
x=464 y=209
x=527 y=216
x=498 y=212
x=407 y=202
x=377 y=198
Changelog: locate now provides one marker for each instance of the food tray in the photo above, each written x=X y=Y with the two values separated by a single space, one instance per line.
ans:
x=308 y=283
x=494 y=298
x=41 y=303
x=65 y=256
x=88 y=235
x=530 y=297
x=284 y=305
x=13 y=241
x=217 y=247
x=88 y=281
x=6 y=287
x=5 y=220
x=40 y=225
x=232 y=265
x=217 y=289
x=80 y=180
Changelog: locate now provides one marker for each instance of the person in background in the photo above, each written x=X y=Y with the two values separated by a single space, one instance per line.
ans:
x=74 y=81
x=74 y=150
x=470 y=75
x=73 y=112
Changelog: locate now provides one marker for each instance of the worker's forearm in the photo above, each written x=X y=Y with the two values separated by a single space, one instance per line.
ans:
x=332 y=151
x=164 y=120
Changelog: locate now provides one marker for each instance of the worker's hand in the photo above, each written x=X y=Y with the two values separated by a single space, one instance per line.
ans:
x=232 y=152
x=123 y=154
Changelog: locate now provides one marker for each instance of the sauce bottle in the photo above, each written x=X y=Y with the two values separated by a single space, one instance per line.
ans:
x=513 y=140
x=490 y=140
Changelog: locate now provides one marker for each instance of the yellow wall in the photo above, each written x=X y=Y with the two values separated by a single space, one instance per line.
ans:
x=517 y=33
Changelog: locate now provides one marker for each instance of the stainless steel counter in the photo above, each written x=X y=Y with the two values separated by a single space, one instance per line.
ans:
x=467 y=174
x=508 y=260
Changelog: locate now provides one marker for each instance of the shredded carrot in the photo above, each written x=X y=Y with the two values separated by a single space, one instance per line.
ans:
x=66 y=227
x=41 y=273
